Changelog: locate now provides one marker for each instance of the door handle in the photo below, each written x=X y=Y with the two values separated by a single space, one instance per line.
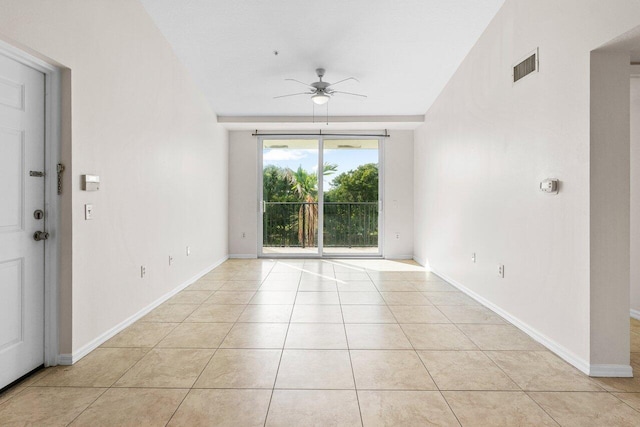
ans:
x=40 y=235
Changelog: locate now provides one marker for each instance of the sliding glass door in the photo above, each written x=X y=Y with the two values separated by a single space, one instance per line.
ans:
x=351 y=197
x=320 y=197
x=290 y=213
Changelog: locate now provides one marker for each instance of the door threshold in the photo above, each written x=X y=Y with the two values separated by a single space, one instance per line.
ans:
x=22 y=378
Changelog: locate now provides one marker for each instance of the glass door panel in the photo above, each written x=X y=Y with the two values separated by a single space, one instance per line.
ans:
x=290 y=214
x=351 y=197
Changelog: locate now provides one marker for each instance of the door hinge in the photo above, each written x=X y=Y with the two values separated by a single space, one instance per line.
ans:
x=59 y=170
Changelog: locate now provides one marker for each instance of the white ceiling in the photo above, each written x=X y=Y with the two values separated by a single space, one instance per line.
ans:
x=402 y=51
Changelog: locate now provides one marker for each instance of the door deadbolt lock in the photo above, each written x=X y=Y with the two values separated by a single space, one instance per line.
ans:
x=40 y=235
x=38 y=214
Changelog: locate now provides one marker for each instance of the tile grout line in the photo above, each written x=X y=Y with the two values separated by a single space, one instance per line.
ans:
x=635 y=409
x=106 y=388
x=24 y=388
x=420 y=358
x=363 y=389
x=173 y=414
x=17 y=393
x=149 y=349
x=541 y=407
x=266 y=415
x=246 y=306
x=88 y=406
x=353 y=374
x=604 y=391
x=212 y=355
x=205 y=366
x=525 y=392
x=284 y=343
x=484 y=352
x=514 y=381
x=494 y=362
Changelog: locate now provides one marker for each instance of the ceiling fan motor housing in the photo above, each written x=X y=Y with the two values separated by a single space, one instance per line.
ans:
x=320 y=85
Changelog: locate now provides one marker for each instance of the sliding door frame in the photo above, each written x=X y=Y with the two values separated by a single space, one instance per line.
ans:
x=320 y=237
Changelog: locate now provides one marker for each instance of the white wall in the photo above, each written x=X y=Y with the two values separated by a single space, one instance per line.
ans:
x=635 y=194
x=398 y=191
x=485 y=146
x=136 y=119
x=243 y=194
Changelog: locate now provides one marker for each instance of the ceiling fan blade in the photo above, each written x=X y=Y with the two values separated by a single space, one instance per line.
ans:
x=344 y=80
x=348 y=93
x=293 y=94
x=298 y=81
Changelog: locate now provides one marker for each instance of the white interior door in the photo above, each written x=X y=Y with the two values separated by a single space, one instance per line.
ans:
x=21 y=195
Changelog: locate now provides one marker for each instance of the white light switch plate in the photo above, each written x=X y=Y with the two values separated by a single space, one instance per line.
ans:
x=88 y=212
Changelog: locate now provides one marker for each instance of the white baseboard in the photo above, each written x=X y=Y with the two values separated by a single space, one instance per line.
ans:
x=70 y=359
x=243 y=256
x=619 y=371
x=418 y=260
x=558 y=349
x=635 y=314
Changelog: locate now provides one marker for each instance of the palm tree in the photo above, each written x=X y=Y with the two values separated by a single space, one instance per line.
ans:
x=305 y=186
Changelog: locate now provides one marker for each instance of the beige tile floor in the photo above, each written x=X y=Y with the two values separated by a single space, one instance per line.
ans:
x=301 y=343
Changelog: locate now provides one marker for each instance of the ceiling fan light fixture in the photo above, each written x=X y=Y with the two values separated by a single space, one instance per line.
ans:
x=320 y=98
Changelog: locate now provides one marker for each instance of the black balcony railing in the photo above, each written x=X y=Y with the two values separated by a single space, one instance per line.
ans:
x=295 y=224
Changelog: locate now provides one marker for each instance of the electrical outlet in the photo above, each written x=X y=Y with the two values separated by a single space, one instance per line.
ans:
x=501 y=270
x=188 y=250
x=244 y=234
x=170 y=260
x=473 y=257
x=143 y=271
x=397 y=236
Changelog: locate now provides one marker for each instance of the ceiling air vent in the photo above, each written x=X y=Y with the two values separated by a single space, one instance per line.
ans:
x=526 y=66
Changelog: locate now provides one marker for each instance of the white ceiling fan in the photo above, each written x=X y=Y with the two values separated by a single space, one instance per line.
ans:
x=321 y=91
